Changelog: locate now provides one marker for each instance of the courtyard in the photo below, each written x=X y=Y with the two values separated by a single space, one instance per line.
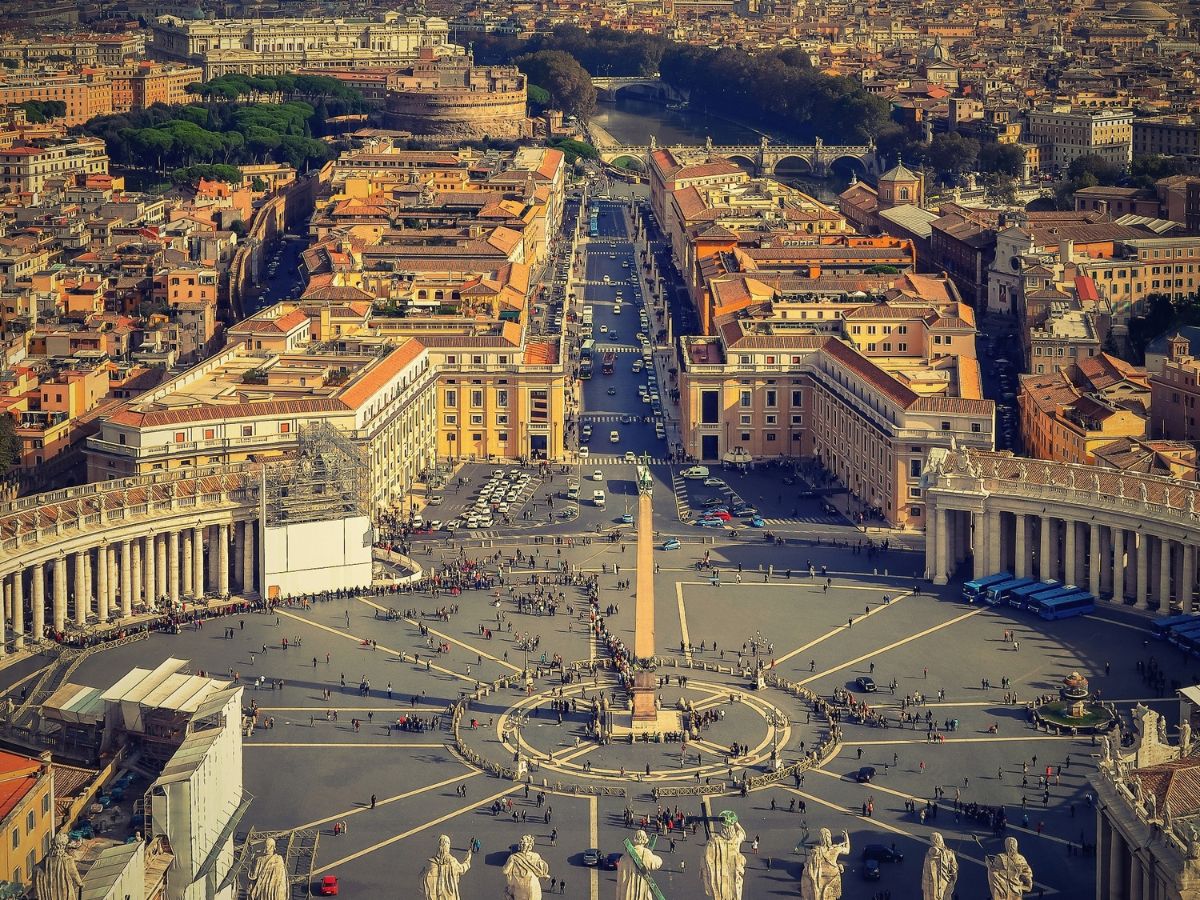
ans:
x=356 y=707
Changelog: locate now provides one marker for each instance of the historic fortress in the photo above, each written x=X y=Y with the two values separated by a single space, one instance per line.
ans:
x=451 y=99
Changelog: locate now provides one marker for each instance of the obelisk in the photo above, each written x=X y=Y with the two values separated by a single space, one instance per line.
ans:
x=644 y=683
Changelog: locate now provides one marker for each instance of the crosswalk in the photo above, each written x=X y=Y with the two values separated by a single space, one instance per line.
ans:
x=599 y=460
x=679 y=488
x=818 y=519
x=623 y=419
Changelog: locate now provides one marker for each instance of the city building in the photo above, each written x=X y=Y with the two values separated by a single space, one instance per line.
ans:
x=449 y=100
x=28 y=169
x=864 y=205
x=284 y=45
x=1064 y=133
x=27 y=814
x=87 y=94
x=867 y=395
x=1176 y=394
x=139 y=85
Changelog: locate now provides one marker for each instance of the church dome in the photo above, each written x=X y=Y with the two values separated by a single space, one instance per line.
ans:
x=1143 y=11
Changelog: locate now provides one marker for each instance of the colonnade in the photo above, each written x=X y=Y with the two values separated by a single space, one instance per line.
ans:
x=112 y=580
x=1128 y=539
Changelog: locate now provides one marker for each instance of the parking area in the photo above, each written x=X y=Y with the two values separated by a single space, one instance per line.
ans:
x=482 y=497
x=762 y=497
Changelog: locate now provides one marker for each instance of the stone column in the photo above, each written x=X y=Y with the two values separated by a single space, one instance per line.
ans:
x=1164 y=574
x=979 y=550
x=1020 y=551
x=1116 y=886
x=1143 y=569
x=1071 y=557
x=939 y=567
x=88 y=588
x=186 y=568
x=214 y=558
x=249 y=535
x=102 y=583
x=1094 y=559
x=58 y=618
x=222 y=556
x=1118 y=565
x=114 y=579
x=173 y=588
x=135 y=563
x=160 y=567
x=126 y=581
x=18 y=609
x=150 y=561
x=991 y=524
x=198 y=562
x=237 y=555
x=1044 y=568
x=37 y=603
x=6 y=589
x=82 y=562
x=1187 y=578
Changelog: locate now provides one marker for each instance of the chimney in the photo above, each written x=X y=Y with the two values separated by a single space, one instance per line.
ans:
x=1066 y=251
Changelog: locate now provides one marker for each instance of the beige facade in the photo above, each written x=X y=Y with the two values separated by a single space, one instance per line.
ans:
x=28 y=169
x=282 y=46
x=1063 y=134
x=86 y=95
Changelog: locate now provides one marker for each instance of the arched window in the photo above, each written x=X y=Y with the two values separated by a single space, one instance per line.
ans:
x=903 y=193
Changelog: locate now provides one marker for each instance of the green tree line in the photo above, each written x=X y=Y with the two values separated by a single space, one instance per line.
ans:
x=328 y=96
x=164 y=138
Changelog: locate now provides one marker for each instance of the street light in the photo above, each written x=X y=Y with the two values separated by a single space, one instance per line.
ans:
x=776 y=720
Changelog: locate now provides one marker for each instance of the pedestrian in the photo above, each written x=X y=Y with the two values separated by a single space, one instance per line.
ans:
x=372 y=801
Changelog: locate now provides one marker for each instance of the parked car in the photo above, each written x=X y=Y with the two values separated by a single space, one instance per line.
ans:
x=610 y=862
x=328 y=886
x=865 y=774
x=882 y=853
x=865 y=684
x=695 y=472
x=870 y=870
x=592 y=856
x=671 y=544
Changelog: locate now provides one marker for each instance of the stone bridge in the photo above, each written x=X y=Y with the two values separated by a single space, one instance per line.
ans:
x=765 y=158
x=648 y=85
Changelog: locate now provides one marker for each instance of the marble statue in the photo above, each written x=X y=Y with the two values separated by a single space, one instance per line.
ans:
x=1142 y=491
x=633 y=876
x=1168 y=817
x=439 y=878
x=940 y=872
x=1193 y=842
x=523 y=872
x=1151 y=806
x=268 y=875
x=1110 y=750
x=1009 y=876
x=57 y=877
x=724 y=865
x=1185 y=738
x=822 y=875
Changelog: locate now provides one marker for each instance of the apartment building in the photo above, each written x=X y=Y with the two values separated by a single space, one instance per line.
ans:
x=252 y=398
x=1166 y=136
x=26 y=170
x=27 y=815
x=140 y=85
x=867 y=398
x=1175 y=391
x=1066 y=335
x=86 y=94
x=1064 y=133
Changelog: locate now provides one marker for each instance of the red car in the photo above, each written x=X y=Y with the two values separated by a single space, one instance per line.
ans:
x=717 y=514
x=328 y=886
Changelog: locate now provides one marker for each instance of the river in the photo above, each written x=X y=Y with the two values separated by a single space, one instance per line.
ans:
x=633 y=121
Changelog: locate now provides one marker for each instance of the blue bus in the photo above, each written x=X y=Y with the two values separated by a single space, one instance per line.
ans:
x=1064 y=606
x=1183 y=632
x=1188 y=642
x=998 y=593
x=974 y=590
x=1022 y=597
x=1163 y=625
x=1053 y=594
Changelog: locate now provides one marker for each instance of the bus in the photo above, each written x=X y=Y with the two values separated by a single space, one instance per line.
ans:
x=608 y=362
x=586 y=351
x=998 y=593
x=974 y=590
x=1180 y=635
x=1188 y=642
x=585 y=369
x=1164 y=625
x=1020 y=597
x=1051 y=594
x=1077 y=603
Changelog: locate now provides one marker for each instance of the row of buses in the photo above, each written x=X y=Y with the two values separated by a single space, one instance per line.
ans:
x=1182 y=630
x=1047 y=599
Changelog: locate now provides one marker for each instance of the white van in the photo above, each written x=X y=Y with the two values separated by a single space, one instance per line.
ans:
x=695 y=472
x=614 y=437
x=598 y=499
x=572 y=489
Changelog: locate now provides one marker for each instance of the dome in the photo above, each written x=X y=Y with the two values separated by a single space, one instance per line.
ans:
x=900 y=172
x=1143 y=11
x=937 y=53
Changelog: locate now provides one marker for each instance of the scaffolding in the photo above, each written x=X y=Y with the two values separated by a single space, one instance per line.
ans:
x=325 y=481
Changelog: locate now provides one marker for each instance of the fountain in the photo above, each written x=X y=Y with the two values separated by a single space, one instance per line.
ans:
x=1075 y=709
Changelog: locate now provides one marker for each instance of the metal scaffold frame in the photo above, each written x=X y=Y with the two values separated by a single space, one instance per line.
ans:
x=326 y=480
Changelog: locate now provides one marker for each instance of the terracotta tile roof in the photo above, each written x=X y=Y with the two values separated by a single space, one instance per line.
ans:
x=869 y=372
x=362 y=388
x=541 y=353
x=1176 y=782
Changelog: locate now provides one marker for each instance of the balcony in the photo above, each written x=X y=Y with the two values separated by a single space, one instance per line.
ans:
x=180 y=448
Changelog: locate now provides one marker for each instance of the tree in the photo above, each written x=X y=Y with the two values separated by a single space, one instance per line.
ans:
x=568 y=83
x=539 y=97
x=10 y=444
x=1001 y=159
x=1099 y=168
x=952 y=153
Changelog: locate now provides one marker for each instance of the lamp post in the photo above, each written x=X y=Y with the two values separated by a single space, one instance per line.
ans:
x=776 y=721
x=518 y=724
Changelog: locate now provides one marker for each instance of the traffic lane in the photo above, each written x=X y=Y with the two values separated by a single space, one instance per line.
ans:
x=286 y=280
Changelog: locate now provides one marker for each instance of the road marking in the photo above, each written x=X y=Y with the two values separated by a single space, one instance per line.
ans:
x=303 y=745
x=950 y=703
x=893 y=646
x=1120 y=624
x=479 y=804
x=342 y=709
x=876 y=786
x=386 y=800
x=683 y=629
x=976 y=740
x=345 y=634
x=594 y=841
x=841 y=628
x=447 y=638
x=896 y=829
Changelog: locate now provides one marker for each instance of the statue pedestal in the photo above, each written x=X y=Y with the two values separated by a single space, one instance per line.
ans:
x=644 y=703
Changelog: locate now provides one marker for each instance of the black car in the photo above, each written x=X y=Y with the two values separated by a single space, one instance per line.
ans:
x=865 y=684
x=882 y=853
x=865 y=774
x=610 y=862
x=592 y=857
x=870 y=870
